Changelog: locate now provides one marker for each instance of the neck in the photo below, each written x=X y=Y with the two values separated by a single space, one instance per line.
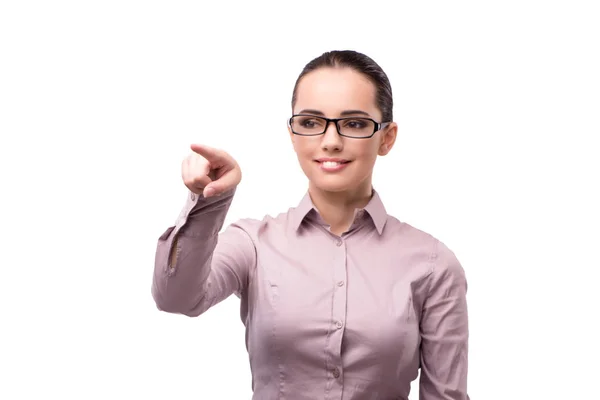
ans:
x=337 y=208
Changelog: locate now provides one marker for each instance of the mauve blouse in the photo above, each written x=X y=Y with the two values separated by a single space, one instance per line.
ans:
x=349 y=317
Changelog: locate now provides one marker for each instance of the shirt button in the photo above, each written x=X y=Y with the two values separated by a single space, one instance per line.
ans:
x=193 y=196
x=341 y=283
x=336 y=373
x=339 y=325
x=338 y=243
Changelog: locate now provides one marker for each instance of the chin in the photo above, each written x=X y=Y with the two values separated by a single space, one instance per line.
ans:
x=334 y=184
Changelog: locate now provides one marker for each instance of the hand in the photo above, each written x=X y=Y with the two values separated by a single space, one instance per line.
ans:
x=210 y=171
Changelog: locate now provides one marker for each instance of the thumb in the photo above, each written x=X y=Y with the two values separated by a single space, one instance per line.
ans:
x=228 y=181
x=208 y=191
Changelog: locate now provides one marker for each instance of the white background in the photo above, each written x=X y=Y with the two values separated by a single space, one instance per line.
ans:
x=498 y=105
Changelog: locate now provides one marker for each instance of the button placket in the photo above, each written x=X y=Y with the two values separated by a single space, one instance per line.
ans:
x=338 y=315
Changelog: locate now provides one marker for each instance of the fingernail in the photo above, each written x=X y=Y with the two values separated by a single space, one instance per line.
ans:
x=207 y=192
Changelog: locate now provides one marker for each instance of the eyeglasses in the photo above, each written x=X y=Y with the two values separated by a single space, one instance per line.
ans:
x=353 y=127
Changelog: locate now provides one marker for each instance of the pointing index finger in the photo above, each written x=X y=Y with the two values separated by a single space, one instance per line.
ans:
x=210 y=153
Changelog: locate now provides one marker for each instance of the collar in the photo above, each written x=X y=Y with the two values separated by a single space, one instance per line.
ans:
x=374 y=208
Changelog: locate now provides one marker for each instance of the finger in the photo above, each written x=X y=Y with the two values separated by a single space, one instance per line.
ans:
x=210 y=153
x=186 y=174
x=195 y=173
x=201 y=182
x=228 y=181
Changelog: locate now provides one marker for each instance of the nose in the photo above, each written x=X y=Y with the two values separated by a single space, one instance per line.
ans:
x=331 y=140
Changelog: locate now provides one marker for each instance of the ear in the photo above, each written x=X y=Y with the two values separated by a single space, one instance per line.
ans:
x=388 y=138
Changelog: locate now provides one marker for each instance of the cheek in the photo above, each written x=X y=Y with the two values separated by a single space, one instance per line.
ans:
x=304 y=148
x=367 y=152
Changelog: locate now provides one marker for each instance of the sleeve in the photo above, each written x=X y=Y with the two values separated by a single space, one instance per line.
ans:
x=444 y=331
x=196 y=267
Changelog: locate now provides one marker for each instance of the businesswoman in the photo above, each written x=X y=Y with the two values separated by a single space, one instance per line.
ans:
x=340 y=300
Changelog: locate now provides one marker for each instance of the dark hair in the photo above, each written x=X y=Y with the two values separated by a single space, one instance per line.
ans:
x=360 y=63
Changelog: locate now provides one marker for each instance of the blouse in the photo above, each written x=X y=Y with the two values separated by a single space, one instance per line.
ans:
x=348 y=317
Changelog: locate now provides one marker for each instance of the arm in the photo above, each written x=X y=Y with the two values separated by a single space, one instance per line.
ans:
x=195 y=266
x=444 y=331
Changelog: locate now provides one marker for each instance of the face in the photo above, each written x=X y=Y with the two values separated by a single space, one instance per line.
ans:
x=338 y=93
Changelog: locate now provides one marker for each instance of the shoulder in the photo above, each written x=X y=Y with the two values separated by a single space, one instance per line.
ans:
x=445 y=268
x=442 y=260
x=269 y=222
x=407 y=236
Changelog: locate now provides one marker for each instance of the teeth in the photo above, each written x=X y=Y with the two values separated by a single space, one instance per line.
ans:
x=330 y=164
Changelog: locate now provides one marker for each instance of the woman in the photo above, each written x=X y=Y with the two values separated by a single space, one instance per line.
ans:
x=340 y=300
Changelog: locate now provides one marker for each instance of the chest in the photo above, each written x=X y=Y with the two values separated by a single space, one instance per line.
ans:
x=316 y=294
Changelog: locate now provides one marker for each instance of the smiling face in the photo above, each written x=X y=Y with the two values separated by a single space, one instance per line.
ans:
x=331 y=162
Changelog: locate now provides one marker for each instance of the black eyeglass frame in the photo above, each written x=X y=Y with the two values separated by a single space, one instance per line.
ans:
x=378 y=125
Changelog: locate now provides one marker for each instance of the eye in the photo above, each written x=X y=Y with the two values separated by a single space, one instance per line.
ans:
x=356 y=123
x=310 y=122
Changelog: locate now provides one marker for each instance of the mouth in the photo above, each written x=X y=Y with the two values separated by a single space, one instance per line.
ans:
x=332 y=165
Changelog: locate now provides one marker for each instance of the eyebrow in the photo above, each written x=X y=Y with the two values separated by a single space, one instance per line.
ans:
x=343 y=113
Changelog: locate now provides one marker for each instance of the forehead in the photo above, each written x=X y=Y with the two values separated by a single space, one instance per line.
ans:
x=333 y=90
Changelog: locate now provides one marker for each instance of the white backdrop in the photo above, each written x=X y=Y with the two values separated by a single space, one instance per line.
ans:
x=498 y=107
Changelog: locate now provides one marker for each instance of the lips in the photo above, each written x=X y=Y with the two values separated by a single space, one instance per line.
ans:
x=332 y=165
